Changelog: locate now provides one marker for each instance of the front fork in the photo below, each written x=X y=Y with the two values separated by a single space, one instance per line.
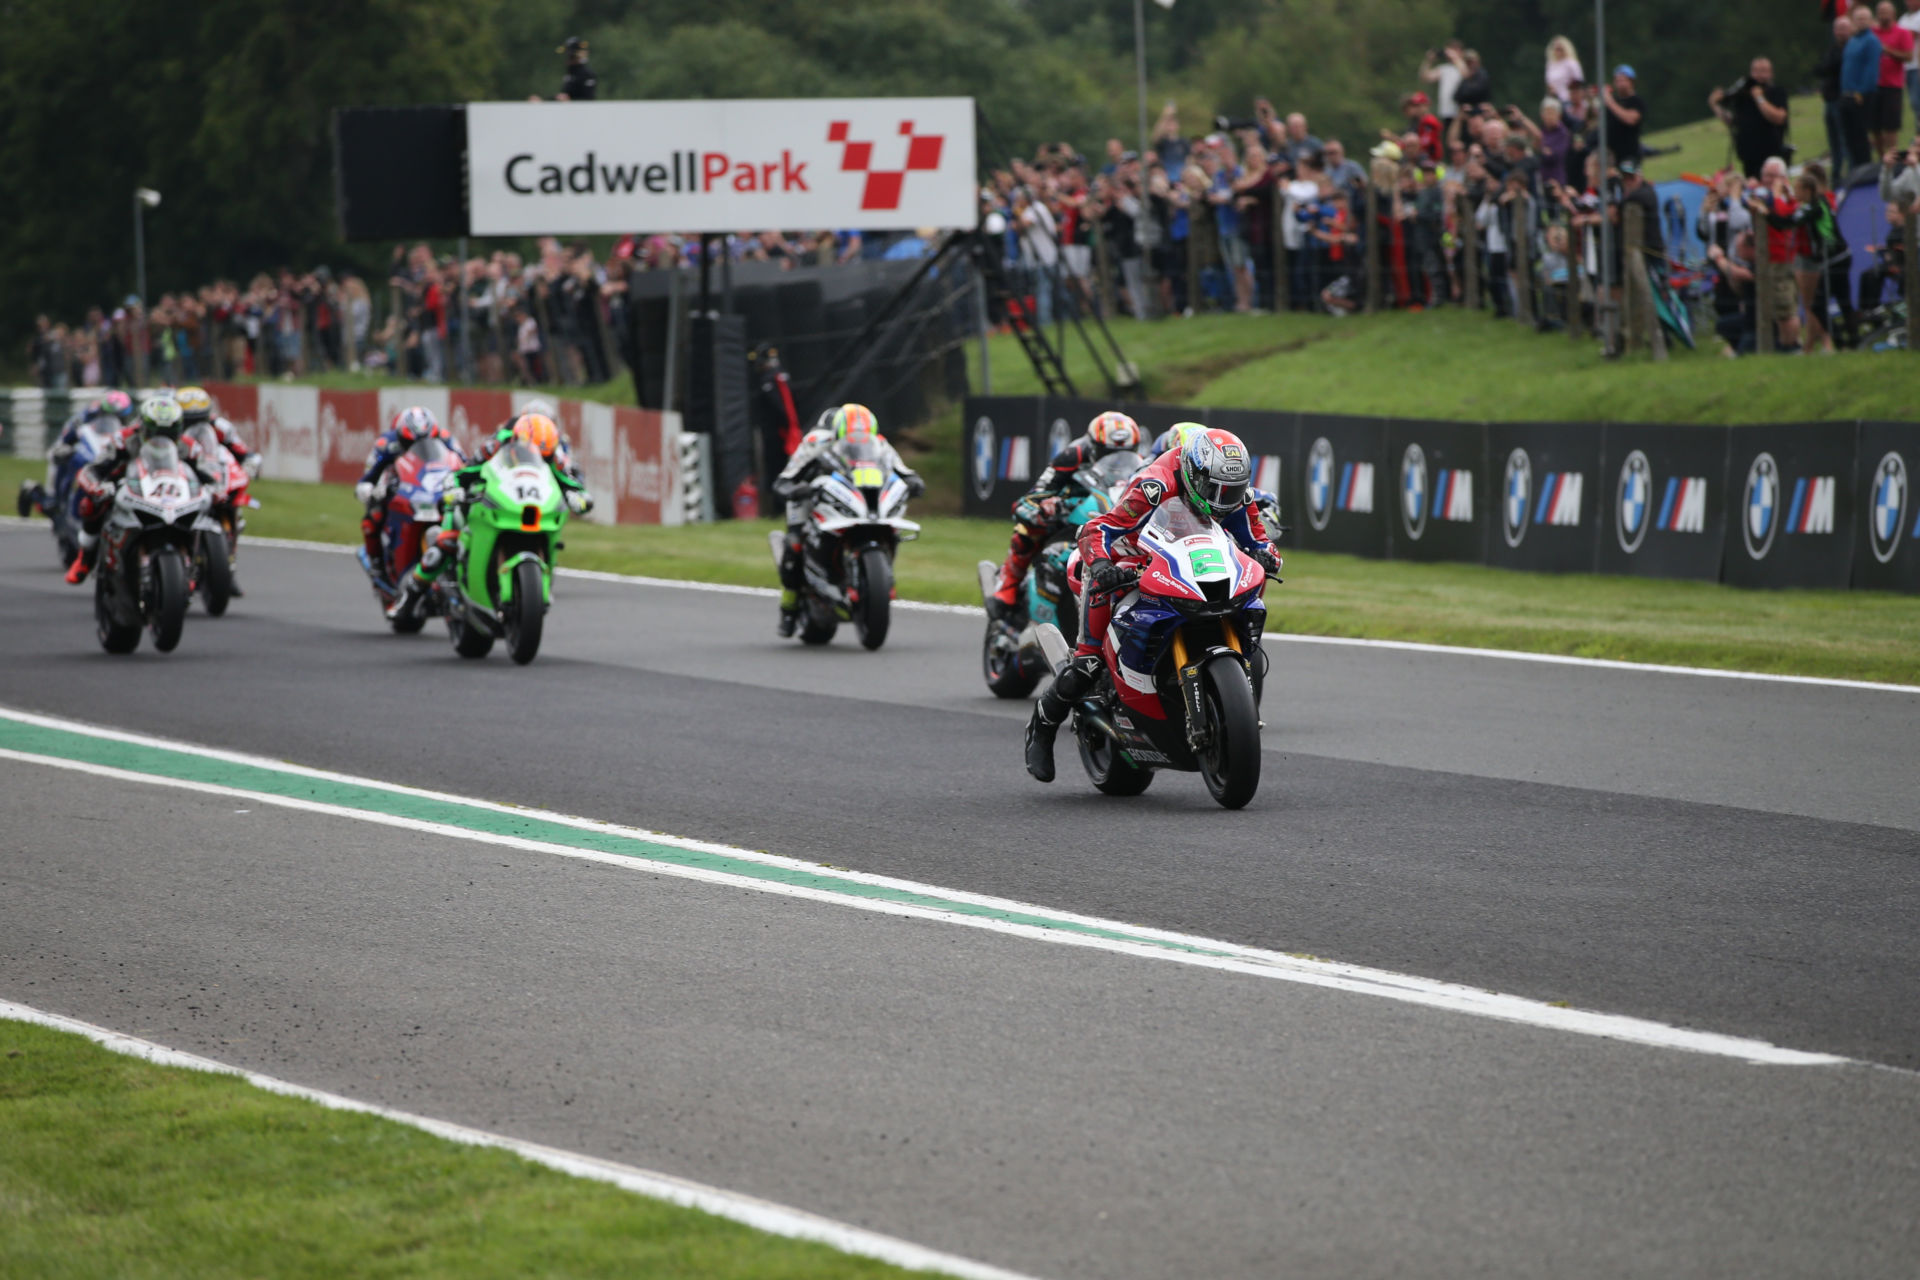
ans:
x=1199 y=731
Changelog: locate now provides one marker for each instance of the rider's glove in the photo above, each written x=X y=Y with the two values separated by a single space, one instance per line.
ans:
x=915 y=486
x=364 y=492
x=579 y=501
x=1268 y=560
x=1107 y=575
x=252 y=465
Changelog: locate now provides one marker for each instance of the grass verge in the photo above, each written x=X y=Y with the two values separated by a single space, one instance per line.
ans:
x=1846 y=634
x=118 y=1167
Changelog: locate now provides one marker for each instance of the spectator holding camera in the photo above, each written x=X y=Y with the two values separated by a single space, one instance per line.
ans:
x=1444 y=68
x=1755 y=108
x=1770 y=201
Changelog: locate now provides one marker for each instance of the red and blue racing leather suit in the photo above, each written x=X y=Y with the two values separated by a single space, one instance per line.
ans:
x=386 y=450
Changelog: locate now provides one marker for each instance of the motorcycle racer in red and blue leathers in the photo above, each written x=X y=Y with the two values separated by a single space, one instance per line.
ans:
x=1034 y=514
x=409 y=426
x=1213 y=475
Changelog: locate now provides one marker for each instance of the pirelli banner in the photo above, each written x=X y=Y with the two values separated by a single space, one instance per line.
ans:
x=1814 y=504
x=608 y=168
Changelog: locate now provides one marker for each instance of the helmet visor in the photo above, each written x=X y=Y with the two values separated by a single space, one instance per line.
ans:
x=1223 y=495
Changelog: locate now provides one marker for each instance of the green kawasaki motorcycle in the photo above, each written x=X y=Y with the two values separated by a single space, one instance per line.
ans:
x=501 y=581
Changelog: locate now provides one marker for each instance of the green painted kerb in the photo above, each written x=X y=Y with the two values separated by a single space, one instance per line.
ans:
x=164 y=762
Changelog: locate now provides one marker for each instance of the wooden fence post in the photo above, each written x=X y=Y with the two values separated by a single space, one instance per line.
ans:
x=1763 y=274
x=1520 y=254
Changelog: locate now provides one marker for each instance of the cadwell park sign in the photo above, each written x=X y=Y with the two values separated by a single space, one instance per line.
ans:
x=588 y=168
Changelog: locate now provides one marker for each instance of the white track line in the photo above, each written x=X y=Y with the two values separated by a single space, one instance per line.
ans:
x=1350 y=642
x=763 y=1215
x=1143 y=943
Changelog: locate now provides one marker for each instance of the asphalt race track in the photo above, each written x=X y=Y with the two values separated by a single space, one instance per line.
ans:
x=1733 y=856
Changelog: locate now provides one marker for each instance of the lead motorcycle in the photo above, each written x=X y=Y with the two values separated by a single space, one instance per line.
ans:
x=1182 y=665
x=858 y=523
x=1010 y=655
x=160 y=514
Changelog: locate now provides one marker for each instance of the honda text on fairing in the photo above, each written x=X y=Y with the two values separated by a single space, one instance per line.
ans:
x=857 y=526
x=159 y=518
x=410 y=493
x=1011 y=658
x=227 y=500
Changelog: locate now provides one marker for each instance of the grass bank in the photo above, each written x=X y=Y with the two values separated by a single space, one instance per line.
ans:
x=117 y=1167
x=1852 y=635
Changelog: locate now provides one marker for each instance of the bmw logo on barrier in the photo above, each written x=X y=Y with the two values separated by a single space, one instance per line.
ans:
x=1887 y=512
x=1517 y=508
x=1413 y=491
x=983 y=456
x=1320 y=483
x=1763 y=506
x=1633 y=501
x=1059 y=436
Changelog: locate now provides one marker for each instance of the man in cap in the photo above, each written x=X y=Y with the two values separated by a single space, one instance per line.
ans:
x=580 y=85
x=1626 y=114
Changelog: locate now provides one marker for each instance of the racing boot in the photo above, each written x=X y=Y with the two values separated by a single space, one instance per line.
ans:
x=1050 y=712
x=83 y=563
x=411 y=592
x=789 y=612
x=791 y=576
x=1006 y=592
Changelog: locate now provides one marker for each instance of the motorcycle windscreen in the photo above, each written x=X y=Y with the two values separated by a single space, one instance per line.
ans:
x=1114 y=469
x=863 y=464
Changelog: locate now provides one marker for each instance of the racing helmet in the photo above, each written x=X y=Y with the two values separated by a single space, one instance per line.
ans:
x=854 y=422
x=196 y=406
x=1215 y=473
x=538 y=430
x=1174 y=438
x=119 y=404
x=1114 y=431
x=160 y=417
x=415 y=422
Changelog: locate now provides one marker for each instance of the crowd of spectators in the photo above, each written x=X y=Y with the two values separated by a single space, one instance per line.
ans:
x=1463 y=197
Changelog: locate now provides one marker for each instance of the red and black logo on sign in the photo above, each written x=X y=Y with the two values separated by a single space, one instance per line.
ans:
x=884 y=186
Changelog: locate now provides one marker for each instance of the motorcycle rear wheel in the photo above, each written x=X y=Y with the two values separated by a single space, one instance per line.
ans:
x=1231 y=762
x=819 y=622
x=527 y=612
x=1007 y=676
x=115 y=636
x=213 y=572
x=469 y=641
x=170 y=593
x=1106 y=766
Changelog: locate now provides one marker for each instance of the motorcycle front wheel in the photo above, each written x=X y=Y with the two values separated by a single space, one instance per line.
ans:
x=873 y=614
x=526 y=613
x=213 y=572
x=167 y=614
x=1231 y=762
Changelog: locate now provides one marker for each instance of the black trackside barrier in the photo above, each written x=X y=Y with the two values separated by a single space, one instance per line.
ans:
x=1815 y=504
x=1790 y=519
x=1544 y=496
x=1275 y=442
x=1663 y=500
x=1342 y=490
x=1437 y=476
x=1886 y=540
x=1005 y=440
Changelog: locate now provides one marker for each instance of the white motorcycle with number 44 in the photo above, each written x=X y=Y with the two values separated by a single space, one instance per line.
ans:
x=857 y=525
